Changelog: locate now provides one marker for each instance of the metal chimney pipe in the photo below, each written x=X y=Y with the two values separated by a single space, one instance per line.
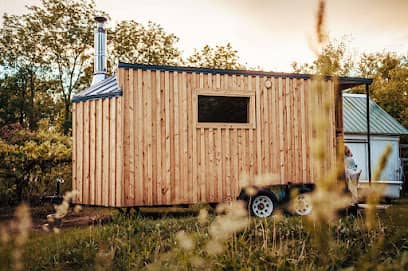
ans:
x=100 y=70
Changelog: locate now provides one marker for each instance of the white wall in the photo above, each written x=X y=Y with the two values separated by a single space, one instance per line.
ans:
x=358 y=146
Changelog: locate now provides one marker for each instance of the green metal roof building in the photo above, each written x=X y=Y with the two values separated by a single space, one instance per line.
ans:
x=384 y=130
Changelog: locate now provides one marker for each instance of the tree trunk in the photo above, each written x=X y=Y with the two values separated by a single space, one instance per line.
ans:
x=32 y=117
x=22 y=104
x=67 y=117
x=20 y=185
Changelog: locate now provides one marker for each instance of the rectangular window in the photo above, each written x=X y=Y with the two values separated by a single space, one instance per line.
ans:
x=224 y=109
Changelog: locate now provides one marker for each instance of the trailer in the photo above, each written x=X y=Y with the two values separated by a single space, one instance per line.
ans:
x=166 y=135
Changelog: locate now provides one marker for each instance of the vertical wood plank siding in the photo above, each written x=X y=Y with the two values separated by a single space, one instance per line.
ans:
x=97 y=135
x=144 y=149
x=169 y=161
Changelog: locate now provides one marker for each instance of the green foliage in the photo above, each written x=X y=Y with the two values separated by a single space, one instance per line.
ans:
x=65 y=31
x=220 y=57
x=52 y=43
x=31 y=161
x=133 y=42
x=390 y=82
x=24 y=94
x=334 y=58
x=388 y=70
x=25 y=102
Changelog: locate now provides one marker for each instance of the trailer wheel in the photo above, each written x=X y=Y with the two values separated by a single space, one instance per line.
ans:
x=263 y=204
x=302 y=204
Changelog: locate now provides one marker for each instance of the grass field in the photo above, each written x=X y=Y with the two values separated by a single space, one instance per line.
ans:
x=186 y=240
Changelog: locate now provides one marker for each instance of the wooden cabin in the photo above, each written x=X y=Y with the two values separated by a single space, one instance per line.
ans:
x=163 y=135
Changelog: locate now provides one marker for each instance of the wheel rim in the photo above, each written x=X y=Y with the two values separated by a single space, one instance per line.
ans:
x=262 y=206
x=303 y=205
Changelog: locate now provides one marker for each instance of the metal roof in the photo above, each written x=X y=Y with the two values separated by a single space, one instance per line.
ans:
x=107 y=88
x=355 y=122
x=344 y=82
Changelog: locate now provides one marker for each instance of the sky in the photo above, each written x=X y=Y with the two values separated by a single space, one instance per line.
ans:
x=268 y=34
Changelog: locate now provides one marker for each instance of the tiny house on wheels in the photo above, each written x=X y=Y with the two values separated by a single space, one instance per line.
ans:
x=162 y=135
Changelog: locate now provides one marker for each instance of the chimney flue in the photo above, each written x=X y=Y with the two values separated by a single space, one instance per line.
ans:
x=100 y=70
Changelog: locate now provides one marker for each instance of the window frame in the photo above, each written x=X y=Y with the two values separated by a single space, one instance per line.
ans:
x=251 y=124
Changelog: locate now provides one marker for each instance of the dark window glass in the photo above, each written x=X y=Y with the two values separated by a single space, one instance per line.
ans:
x=223 y=109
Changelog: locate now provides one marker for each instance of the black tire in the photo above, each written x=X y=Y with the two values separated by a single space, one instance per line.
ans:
x=301 y=205
x=263 y=204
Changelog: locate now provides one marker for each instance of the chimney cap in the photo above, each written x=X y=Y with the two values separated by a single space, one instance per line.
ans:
x=100 y=19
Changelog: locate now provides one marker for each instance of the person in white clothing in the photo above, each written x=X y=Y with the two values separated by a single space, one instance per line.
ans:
x=352 y=174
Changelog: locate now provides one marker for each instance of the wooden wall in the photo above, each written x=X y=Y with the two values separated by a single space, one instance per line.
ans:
x=167 y=160
x=144 y=148
x=98 y=152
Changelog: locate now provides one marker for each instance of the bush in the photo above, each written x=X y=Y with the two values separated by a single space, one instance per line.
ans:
x=31 y=161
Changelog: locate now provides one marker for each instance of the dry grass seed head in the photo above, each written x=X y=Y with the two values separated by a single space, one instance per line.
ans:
x=23 y=226
x=4 y=236
x=104 y=259
x=77 y=209
x=184 y=241
x=320 y=22
x=203 y=217
x=232 y=219
x=214 y=247
x=197 y=262
x=56 y=230
x=45 y=227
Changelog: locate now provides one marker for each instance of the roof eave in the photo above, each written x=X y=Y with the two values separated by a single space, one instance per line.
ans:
x=343 y=81
x=76 y=99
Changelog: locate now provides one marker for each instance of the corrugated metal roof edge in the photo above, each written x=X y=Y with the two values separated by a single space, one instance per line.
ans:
x=107 y=83
x=374 y=133
x=76 y=99
x=356 y=80
x=100 y=87
x=96 y=86
x=396 y=122
x=391 y=123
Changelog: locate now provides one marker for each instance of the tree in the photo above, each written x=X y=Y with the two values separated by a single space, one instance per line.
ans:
x=135 y=43
x=390 y=82
x=220 y=57
x=65 y=29
x=50 y=43
x=333 y=59
x=46 y=56
x=25 y=104
x=389 y=72
x=21 y=56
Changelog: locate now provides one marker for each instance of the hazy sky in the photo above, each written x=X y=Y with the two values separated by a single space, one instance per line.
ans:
x=270 y=34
